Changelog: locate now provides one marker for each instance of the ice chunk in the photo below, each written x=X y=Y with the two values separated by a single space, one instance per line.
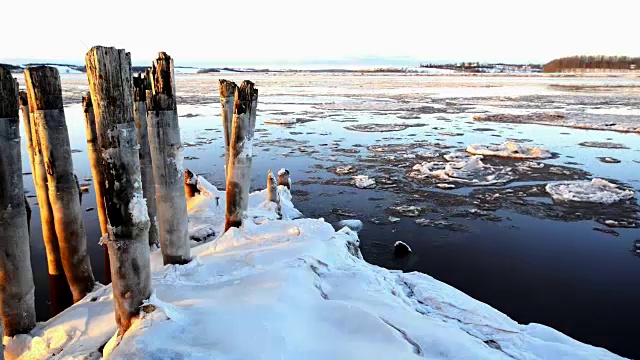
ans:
x=353 y=224
x=470 y=171
x=594 y=191
x=364 y=182
x=509 y=149
x=280 y=121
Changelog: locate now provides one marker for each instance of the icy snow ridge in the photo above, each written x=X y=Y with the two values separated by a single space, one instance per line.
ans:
x=595 y=191
x=292 y=289
x=509 y=149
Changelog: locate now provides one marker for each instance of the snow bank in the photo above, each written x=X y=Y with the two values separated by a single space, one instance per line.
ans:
x=509 y=149
x=469 y=171
x=292 y=289
x=595 y=191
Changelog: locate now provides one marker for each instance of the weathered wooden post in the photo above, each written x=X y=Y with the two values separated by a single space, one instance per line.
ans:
x=24 y=107
x=190 y=184
x=109 y=73
x=239 y=166
x=272 y=192
x=272 y=188
x=47 y=116
x=227 y=98
x=93 y=150
x=284 y=179
x=16 y=281
x=140 y=87
x=59 y=291
x=166 y=155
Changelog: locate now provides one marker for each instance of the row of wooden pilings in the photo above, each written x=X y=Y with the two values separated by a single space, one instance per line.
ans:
x=135 y=152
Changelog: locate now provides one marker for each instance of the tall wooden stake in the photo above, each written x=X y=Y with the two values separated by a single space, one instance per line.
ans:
x=227 y=98
x=284 y=178
x=16 y=283
x=166 y=155
x=190 y=184
x=239 y=166
x=140 y=87
x=272 y=192
x=109 y=73
x=93 y=150
x=47 y=115
x=59 y=291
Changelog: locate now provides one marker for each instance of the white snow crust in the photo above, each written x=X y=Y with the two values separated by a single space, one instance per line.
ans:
x=291 y=289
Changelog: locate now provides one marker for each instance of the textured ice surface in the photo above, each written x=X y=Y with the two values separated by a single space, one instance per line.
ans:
x=595 y=191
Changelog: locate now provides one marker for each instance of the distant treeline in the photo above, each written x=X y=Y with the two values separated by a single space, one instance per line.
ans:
x=594 y=63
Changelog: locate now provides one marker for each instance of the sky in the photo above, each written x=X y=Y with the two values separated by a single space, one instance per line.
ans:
x=333 y=32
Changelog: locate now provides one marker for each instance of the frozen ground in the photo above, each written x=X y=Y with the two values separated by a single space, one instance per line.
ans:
x=291 y=289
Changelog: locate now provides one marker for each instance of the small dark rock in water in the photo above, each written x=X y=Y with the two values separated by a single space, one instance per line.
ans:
x=89 y=209
x=607 y=231
x=26 y=173
x=73 y=151
x=190 y=115
x=609 y=160
x=191 y=158
x=401 y=249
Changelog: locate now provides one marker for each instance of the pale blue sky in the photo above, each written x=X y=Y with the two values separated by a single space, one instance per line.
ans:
x=267 y=32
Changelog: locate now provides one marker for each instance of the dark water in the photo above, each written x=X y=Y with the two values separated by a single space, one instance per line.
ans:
x=554 y=270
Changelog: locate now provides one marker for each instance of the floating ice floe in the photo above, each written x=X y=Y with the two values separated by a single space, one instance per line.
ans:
x=280 y=121
x=594 y=191
x=364 y=182
x=353 y=224
x=469 y=171
x=344 y=170
x=509 y=149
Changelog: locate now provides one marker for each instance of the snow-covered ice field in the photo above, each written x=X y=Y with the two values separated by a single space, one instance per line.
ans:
x=391 y=151
x=291 y=289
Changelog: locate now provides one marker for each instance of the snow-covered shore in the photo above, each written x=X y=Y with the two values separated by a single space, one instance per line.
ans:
x=291 y=289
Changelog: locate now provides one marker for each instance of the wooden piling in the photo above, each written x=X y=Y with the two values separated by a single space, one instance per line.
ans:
x=59 y=291
x=93 y=150
x=272 y=192
x=284 y=178
x=47 y=116
x=24 y=107
x=190 y=184
x=109 y=74
x=240 y=146
x=140 y=87
x=16 y=281
x=166 y=156
x=227 y=98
